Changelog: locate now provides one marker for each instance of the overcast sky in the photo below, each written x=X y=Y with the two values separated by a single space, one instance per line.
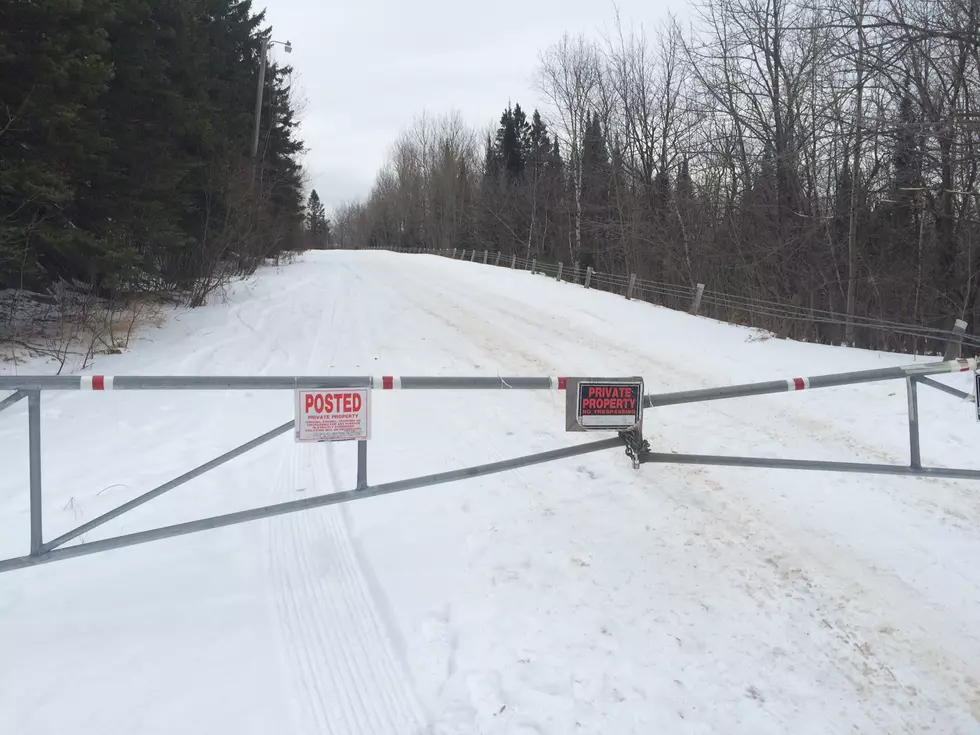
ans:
x=366 y=68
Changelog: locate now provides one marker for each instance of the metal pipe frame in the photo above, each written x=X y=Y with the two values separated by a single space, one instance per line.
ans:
x=34 y=437
x=945 y=388
x=913 y=376
x=362 y=447
x=31 y=388
x=165 y=487
x=820 y=381
x=12 y=399
x=809 y=464
x=269 y=511
x=913 y=396
x=218 y=383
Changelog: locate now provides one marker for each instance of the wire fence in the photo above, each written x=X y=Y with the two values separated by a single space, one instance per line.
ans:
x=775 y=319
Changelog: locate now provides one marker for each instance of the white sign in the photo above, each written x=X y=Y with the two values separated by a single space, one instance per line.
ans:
x=333 y=415
x=608 y=405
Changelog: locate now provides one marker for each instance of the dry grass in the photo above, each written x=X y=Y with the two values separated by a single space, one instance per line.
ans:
x=71 y=328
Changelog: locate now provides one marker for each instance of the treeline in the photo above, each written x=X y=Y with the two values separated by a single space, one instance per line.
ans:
x=819 y=155
x=126 y=129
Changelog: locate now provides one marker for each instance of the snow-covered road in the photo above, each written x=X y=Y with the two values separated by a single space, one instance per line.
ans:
x=572 y=597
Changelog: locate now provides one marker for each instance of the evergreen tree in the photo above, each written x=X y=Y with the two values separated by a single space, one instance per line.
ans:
x=125 y=140
x=596 y=185
x=54 y=65
x=539 y=142
x=316 y=218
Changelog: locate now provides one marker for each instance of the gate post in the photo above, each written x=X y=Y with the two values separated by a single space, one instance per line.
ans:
x=697 y=299
x=361 y=465
x=588 y=276
x=34 y=439
x=629 y=290
x=916 y=459
x=560 y=266
x=955 y=341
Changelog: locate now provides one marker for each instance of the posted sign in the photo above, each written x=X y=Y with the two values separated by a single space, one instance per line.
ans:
x=333 y=415
x=604 y=404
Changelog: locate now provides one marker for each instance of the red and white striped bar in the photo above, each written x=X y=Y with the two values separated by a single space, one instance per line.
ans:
x=96 y=382
x=820 y=381
x=222 y=383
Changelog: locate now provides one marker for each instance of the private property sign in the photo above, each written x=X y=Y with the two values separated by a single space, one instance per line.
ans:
x=604 y=404
x=333 y=415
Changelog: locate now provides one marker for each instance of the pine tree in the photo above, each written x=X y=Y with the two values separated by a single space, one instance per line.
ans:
x=53 y=67
x=316 y=220
x=539 y=142
x=596 y=185
x=125 y=157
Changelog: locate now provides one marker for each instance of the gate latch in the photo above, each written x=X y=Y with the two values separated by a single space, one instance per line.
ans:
x=636 y=445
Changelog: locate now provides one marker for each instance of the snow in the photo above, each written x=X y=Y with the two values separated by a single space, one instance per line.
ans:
x=577 y=596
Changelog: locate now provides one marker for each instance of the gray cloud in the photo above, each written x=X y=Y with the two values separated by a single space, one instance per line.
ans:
x=366 y=69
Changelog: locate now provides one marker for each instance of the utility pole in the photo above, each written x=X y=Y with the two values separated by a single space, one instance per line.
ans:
x=258 y=96
x=263 y=55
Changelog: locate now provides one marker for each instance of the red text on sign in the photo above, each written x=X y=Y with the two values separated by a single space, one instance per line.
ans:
x=609 y=398
x=333 y=403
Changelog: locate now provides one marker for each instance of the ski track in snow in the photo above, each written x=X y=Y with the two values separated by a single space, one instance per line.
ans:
x=575 y=597
x=339 y=654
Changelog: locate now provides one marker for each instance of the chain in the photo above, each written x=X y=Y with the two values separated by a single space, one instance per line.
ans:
x=636 y=445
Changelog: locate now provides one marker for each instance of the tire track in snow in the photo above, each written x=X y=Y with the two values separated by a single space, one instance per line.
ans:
x=339 y=654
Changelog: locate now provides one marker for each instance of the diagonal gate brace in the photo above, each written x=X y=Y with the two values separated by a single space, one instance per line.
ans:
x=229 y=519
x=158 y=491
x=12 y=399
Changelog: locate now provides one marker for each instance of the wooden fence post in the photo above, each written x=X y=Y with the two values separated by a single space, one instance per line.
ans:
x=629 y=290
x=486 y=254
x=498 y=258
x=560 y=266
x=513 y=262
x=697 y=299
x=588 y=277
x=955 y=344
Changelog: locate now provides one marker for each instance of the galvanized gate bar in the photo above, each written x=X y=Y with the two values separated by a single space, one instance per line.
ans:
x=913 y=396
x=11 y=400
x=105 y=383
x=478 y=383
x=34 y=442
x=796 y=384
x=177 y=482
x=809 y=464
x=945 y=388
x=293 y=506
x=362 y=448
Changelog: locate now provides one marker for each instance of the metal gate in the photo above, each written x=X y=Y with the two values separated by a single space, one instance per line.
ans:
x=632 y=441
